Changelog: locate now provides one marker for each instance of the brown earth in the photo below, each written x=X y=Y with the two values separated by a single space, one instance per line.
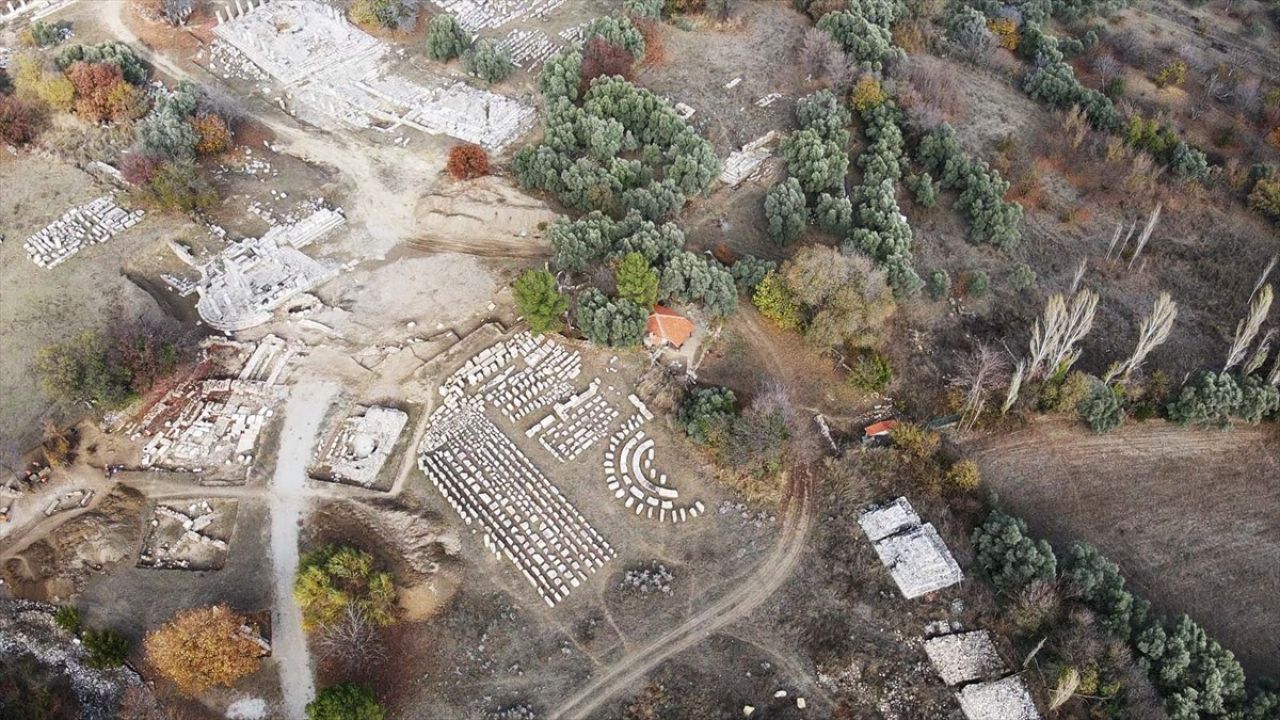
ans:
x=1190 y=516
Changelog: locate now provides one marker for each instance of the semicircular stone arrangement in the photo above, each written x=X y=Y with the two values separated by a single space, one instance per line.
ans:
x=633 y=478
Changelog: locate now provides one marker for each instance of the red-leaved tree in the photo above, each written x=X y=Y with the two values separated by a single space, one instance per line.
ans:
x=602 y=58
x=467 y=161
x=101 y=92
x=20 y=121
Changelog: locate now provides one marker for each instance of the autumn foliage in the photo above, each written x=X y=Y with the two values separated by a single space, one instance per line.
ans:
x=213 y=134
x=138 y=168
x=468 y=161
x=20 y=121
x=203 y=647
x=101 y=92
x=602 y=58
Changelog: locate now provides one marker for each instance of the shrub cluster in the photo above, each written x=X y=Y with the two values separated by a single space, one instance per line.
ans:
x=540 y=302
x=1196 y=677
x=863 y=31
x=579 y=159
x=446 y=39
x=883 y=232
x=992 y=220
x=1215 y=398
x=615 y=322
x=488 y=62
x=705 y=412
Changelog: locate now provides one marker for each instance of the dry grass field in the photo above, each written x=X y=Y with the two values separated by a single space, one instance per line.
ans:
x=1192 y=517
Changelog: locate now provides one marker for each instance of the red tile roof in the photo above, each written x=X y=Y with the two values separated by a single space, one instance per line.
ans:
x=668 y=325
x=881 y=428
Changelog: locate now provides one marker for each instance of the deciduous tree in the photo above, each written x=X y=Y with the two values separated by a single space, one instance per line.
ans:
x=204 y=647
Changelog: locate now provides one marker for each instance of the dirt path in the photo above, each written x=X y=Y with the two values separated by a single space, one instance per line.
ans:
x=628 y=671
x=307 y=406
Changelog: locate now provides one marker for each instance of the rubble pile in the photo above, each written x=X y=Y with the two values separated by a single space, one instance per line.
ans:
x=27 y=628
x=655 y=578
x=913 y=552
x=94 y=222
x=213 y=424
x=180 y=539
x=745 y=164
x=477 y=15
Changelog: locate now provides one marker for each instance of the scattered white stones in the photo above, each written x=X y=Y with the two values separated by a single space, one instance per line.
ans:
x=96 y=221
x=964 y=657
x=337 y=69
x=476 y=15
x=362 y=445
x=1005 y=699
x=213 y=424
x=650 y=580
x=486 y=478
x=575 y=424
x=248 y=280
x=188 y=537
x=744 y=164
x=915 y=554
x=528 y=48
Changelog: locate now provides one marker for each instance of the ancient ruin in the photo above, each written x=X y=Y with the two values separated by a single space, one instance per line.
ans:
x=337 y=69
x=247 y=281
x=913 y=552
x=191 y=536
x=363 y=442
x=1005 y=699
x=747 y=163
x=96 y=221
x=632 y=477
x=964 y=657
x=486 y=478
x=211 y=424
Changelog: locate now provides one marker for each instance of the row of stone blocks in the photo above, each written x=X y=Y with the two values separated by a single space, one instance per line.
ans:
x=96 y=221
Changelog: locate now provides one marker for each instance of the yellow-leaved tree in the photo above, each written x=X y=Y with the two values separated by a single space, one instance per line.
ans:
x=204 y=647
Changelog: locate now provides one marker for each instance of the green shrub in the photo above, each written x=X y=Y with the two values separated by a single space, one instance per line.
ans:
x=107 y=648
x=867 y=42
x=1098 y=583
x=749 y=270
x=706 y=412
x=488 y=62
x=978 y=283
x=119 y=54
x=784 y=208
x=833 y=214
x=1021 y=277
x=1102 y=410
x=824 y=113
x=67 y=617
x=539 y=301
x=1009 y=556
x=1258 y=400
x=922 y=189
x=938 y=285
x=693 y=277
x=618 y=32
x=636 y=281
x=775 y=301
x=992 y=220
x=1208 y=397
x=816 y=163
x=871 y=373
x=345 y=701
x=616 y=322
x=446 y=39
x=178 y=186
x=651 y=9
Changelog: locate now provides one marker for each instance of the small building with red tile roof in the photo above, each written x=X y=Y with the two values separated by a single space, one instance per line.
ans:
x=879 y=429
x=667 y=327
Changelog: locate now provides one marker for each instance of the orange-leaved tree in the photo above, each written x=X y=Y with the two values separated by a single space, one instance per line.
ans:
x=203 y=647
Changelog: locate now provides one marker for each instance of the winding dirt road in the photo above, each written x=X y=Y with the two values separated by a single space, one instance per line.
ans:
x=750 y=594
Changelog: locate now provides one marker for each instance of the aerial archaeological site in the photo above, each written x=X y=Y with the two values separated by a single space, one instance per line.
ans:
x=639 y=359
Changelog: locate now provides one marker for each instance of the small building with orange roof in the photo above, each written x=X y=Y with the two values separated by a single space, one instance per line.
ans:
x=667 y=327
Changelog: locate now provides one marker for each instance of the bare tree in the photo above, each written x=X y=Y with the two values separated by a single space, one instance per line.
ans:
x=352 y=641
x=1075 y=281
x=1115 y=239
x=1120 y=250
x=1015 y=384
x=1146 y=234
x=1152 y=333
x=1059 y=330
x=1262 y=278
x=977 y=374
x=1248 y=327
x=1259 y=356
